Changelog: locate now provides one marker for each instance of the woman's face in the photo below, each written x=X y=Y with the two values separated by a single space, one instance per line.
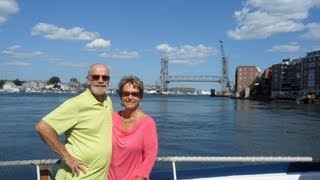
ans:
x=130 y=96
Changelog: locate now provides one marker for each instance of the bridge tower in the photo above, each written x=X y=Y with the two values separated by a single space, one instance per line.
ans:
x=225 y=83
x=164 y=77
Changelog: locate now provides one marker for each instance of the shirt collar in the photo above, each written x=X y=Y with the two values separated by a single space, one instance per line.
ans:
x=92 y=100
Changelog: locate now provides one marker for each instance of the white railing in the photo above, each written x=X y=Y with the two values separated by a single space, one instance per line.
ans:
x=37 y=163
x=173 y=160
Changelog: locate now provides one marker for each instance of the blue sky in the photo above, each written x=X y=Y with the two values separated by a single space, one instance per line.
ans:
x=41 y=38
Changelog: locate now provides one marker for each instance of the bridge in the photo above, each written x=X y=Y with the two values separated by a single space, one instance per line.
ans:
x=194 y=79
x=165 y=79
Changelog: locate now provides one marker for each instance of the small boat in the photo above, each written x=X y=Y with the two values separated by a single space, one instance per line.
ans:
x=212 y=92
x=259 y=168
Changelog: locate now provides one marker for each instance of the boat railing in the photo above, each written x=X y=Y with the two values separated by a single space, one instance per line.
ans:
x=44 y=174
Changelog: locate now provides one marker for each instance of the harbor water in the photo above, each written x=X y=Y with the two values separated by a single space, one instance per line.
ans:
x=187 y=125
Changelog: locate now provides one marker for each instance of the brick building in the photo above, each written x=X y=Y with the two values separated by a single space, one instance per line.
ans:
x=296 y=77
x=245 y=78
x=311 y=73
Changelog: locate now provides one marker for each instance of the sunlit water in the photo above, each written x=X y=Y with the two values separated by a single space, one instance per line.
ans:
x=187 y=126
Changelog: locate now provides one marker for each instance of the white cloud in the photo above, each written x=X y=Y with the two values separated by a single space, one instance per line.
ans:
x=74 y=65
x=98 y=44
x=316 y=48
x=120 y=54
x=164 y=48
x=260 y=19
x=50 y=31
x=186 y=51
x=292 y=47
x=16 y=52
x=7 y=8
x=187 y=62
x=14 y=63
x=313 y=31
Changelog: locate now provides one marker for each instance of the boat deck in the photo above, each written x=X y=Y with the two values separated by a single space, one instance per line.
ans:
x=251 y=168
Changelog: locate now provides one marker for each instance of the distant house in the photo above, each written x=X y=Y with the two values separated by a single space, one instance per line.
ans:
x=10 y=87
x=33 y=85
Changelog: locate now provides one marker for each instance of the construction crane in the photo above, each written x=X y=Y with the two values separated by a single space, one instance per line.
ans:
x=225 y=83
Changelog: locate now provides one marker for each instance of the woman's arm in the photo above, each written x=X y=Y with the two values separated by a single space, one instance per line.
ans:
x=150 y=149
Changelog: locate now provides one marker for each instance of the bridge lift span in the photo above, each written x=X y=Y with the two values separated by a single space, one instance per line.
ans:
x=165 y=79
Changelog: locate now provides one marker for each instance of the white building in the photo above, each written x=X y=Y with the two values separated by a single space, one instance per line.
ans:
x=10 y=87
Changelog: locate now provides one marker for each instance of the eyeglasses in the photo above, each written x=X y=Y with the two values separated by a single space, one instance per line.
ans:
x=127 y=93
x=97 y=77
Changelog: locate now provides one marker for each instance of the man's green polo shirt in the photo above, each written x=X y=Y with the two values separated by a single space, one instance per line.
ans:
x=87 y=124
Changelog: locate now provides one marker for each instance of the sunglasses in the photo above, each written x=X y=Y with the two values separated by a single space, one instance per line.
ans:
x=97 y=77
x=134 y=94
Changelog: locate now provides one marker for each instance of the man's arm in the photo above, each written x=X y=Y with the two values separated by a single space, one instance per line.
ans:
x=51 y=138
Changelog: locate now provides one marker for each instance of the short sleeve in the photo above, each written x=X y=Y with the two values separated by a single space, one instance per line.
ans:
x=63 y=117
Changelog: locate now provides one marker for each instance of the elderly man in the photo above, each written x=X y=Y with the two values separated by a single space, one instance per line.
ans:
x=87 y=124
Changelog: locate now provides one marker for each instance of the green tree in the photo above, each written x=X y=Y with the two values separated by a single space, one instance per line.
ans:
x=256 y=88
x=17 y=82
x=2 y=82
x=54 y=80
x=74 y=80
x=74 y=83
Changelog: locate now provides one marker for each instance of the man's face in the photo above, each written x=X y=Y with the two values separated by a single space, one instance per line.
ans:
x=98 y=80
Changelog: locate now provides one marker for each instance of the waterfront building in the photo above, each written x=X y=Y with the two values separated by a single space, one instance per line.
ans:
x=276 y=72
x=293 y=78
x=265 y=83
x=311 y=73
x=286 y=78
x=33 y=85
x=245 y=78
x=10 y=87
